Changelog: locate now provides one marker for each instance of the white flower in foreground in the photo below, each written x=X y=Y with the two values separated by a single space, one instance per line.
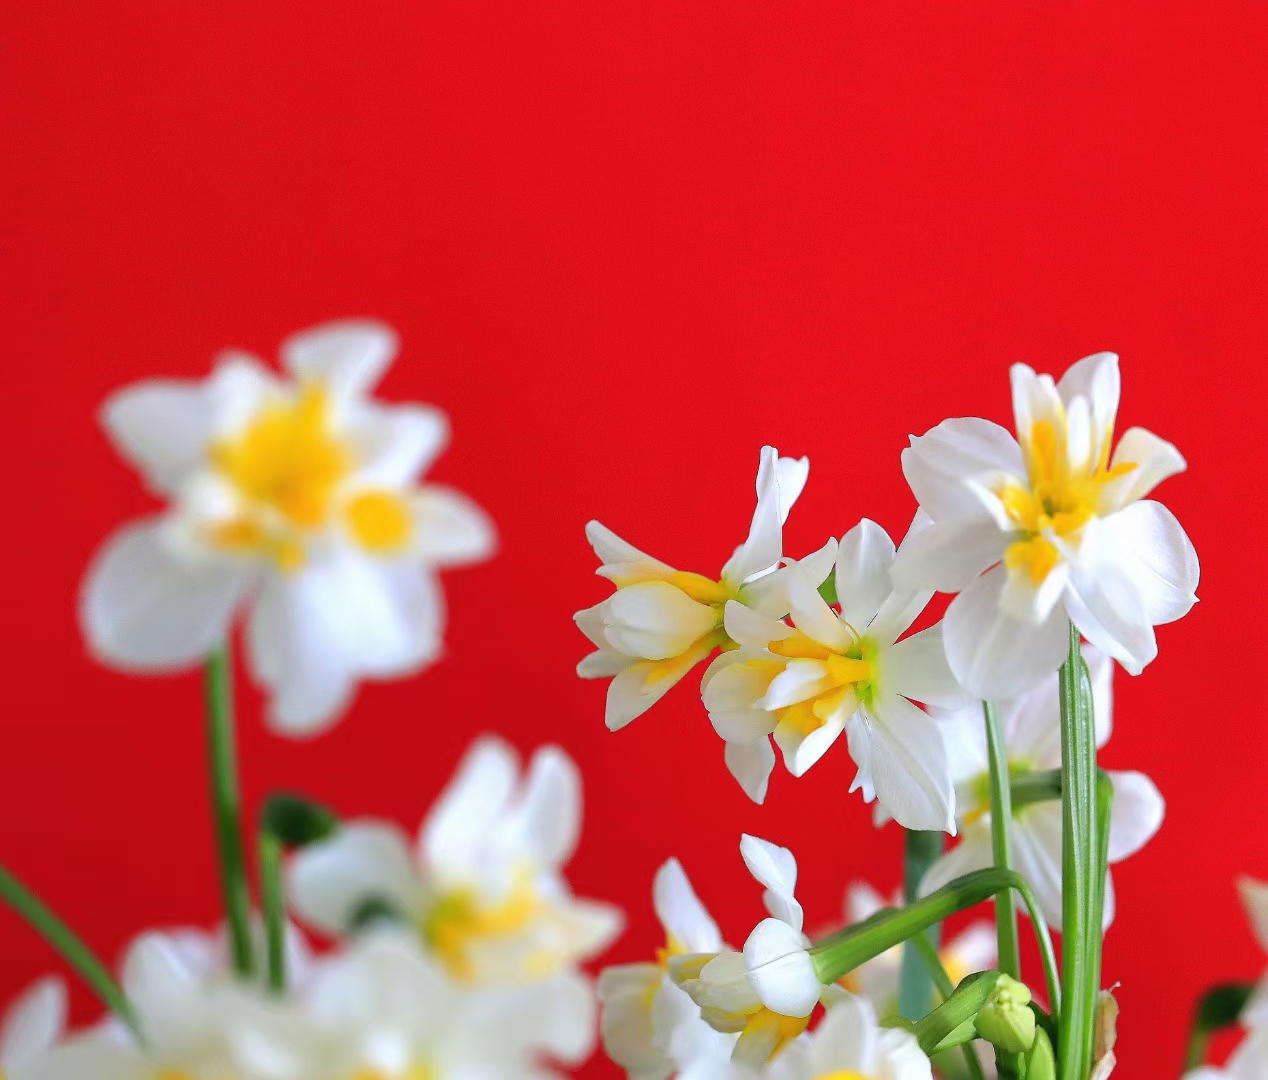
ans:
x=650 y=1027
x=661 y=622
x=484 y=884
x=767 y=992
x=850 y=1043
x=827 y=673
x=32 y=1027
x=385 y=1010
x=1031 y=727
x=1254 y=896
x=1248 y=1062
x=1059 y=524
x=973 y=949
x=299 y=496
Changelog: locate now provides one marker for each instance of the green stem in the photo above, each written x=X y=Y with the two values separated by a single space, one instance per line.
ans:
x=272 y=900
x=61 y=937
x=1001 y=842
x=1080 y=860
x=915 y=988
x=928 y=953
x=226 y=806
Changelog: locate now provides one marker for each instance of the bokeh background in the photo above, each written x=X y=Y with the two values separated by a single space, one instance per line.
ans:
x=626 y=244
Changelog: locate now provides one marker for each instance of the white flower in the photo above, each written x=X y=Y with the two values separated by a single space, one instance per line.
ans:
x=297 y=496
x=484 y=884
x=1060 y=525
x=1031 y=726
x=767 y=992
x=829 y=673
x=1254 y=895
x=973 y=949
x=384 y=1009
x=650 y=1027
x=32 y=1027
x=1248 y=1062
x=661 y=622
x=850 y=1043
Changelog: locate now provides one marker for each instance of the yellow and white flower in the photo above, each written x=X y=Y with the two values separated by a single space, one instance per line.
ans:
x=299 y=496
x=767 y=992
x=32 y=1026
x=650 y=1027
x=484 y=884
x=661 y=622
x=849 y=1042
x=1058 y=520
x=1031 y=726
x=826 y=674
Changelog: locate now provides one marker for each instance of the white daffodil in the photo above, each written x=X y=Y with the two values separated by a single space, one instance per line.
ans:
x=385 y=1010
x=827 y=673
x=650 y=1027
x=661 y=622
x=767 y=992
x=1060 y=525
x=298 y=496
x=1254 y=895
x=1248 y=1062
x=973 y=949
x=32 y=1026
x=1031 y=726
x=484 y=883
x=850 y=1043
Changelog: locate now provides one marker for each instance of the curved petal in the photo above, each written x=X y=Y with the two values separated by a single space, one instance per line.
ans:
x=1154 y=459
x=846 y=1040
x=751 y=764
x=395 y=444
x=973 y=852
x=328 y=881
x=897 y=613
x=734 y=683
x=747 y=627
x=949 y=554
x=812 y=616
x=1106 y=604
x=764 y=546
x=767 y=594
x=1096 y=380
x=803 y=748
x=781 y=970
x=800 y=680
x=775 y=868
x=1037 y=856
x=863 y=560
x=908 y=765
x=938 y=463
x=626 y=1022
x=1158 y=557
x=469 y=810
x=623 y=562
x=656 y=620
x=917 y=668
x=349 y=356
x=903 y=1059
x=1138 y=812
x=33 y=1024
x=993 y=655
x=636 y=689
x=147 y=607
x=680 y=911
x=449 y=528
x=546 y=823
x=792 y=474
x=162 y=427
x=1254 y=897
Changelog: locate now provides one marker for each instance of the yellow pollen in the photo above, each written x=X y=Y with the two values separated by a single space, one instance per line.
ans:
x=843 y=1074
x=458 y=922
x=379 y=521
x=700 y=588
x=1036 y=556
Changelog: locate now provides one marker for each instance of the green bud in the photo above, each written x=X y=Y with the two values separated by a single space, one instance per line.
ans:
x=1005 y=1020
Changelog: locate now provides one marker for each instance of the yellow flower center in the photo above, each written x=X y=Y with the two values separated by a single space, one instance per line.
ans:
x=980 y=790
x=287 y=466
x=843 y=1074
x=786 y=1028
x=1058 y=501
x=852 y=673
x=459 y=921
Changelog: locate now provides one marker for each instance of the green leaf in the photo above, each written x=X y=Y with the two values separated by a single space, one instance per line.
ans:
x=1001 y=842
x=297 y=821
x=1220 y=1007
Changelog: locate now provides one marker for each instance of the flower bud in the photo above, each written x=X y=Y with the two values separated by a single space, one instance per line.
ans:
x=1006 y=1020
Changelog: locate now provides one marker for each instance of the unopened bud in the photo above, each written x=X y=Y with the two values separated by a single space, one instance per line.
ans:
x=1005 y=1020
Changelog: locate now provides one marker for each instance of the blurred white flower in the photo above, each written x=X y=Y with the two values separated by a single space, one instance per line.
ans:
x=850 y=1043
x=767 y=992
x=1254 y=896
x=1248 y=1062
x=661 y=622
x=1060 y=525
x=32 y=1026
x=650 y=1027
x=1031 y=726
x=299 y=496
x=384 y=1009
x=484 y=883
x=827 y=673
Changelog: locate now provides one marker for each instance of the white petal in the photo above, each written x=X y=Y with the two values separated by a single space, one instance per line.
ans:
x=1106 y=604
x=992 y=655
x=603 y=664
x=1254 y=895
x=626 y=1025
x=1155 y=552
x=1096 y=380
x=449 y=528
x=636 y=689
x=975 y=948
x=764 y=545
x=917 y=668
x=1029 y=602
x=365 y=860
x=846 y=1039
x=468 y=811
x=863 y=561
x=349 y=356
x=680 y=911
x=908 y=766
x=734 y=683
x=1138 y=812
x=973 y=852
x=33 y=1024
x=751 y=764
x=626 y=558
x=812 y=616
x=546 y=824
x=745 y=626
x=792 y=474
x=900 y=610
x=1037 y=856
x=780 y=969
x=1155 y=460
x=162 y=427
x=1035 y=400
x=775 y=868
x=902 y=1057
x=148 y=607
x=949 y=555
x=656 y=620
x=862 y=901
x=802 y=749
x=395 y=445
x=938 y=462
x=767 y=594
x=800 y=680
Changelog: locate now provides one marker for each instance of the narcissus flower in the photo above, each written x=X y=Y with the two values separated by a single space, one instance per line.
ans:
x=299 y=496
x=483 y=886
x=827 y=673
x=767 y=992
x=32 y=1027
x=1031 y=727
x=1047 y=528
x=661 y=622
x=650 y=1027
x=850 y=1043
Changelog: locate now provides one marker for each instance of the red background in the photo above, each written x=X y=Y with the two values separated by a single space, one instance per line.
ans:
x=625 y=244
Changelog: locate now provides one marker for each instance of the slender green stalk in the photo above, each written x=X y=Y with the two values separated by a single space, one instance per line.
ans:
x=62 y=938
x=928 y=953
x=1080 y=860
x=915 y=988
x=226 y=806
x=1001 y=842
x=273 y=901
x=951 y=1023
